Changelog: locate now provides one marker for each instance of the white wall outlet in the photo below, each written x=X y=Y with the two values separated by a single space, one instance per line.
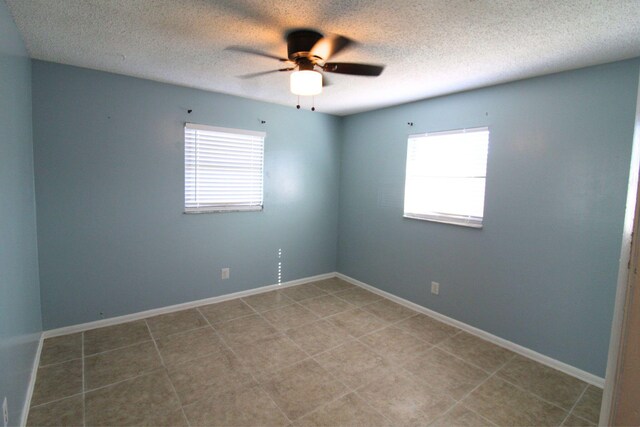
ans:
x=5 y=412
x=435 y=288
x=224 y=275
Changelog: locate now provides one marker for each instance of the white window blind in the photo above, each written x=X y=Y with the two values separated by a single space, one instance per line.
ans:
x=446 y=175
x=223 y=169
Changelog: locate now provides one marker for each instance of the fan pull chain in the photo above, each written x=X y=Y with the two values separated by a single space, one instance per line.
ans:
x=313 y=103
x=298 y=105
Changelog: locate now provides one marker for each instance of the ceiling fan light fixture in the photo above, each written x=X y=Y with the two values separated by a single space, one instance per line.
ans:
x=306 y=83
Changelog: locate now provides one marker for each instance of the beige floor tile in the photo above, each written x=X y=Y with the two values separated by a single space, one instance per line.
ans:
x=267 y=354
x=461 y=416
x=268 y=300
x=506 y=405
x=405 y=401
x=61 y=349
x=427 y=328
x=327 y=305
x=112 y=337
x=395 y=344
x=477 y=351
x=144 y=400
x=550 y=384
x=225 y=311
x=289 y=317
x=333 y=285
x=54 y=382
x=318 y=336
x=185 y=346
x=302 y=292
x=389 y=310
x=120 y=364
x=66 y=412
x=357 y=322
x=179 y=321
x=588 y=407
x=349 y=410
x=358 y=296
x=217 y=372
x=246 y=406
x=172 y=419
x=354 y=364
x=446 y=373
x=354 y=347
x=573 y=421
x=302 y=388
x=245 y=330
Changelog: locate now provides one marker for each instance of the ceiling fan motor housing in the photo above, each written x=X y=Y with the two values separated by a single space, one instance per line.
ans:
x=300 y=42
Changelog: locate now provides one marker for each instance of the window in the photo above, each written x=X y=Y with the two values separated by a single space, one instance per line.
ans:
x=445 y=177
x=222 y=169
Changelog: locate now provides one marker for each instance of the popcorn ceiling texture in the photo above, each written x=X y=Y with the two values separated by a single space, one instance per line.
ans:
x=430 y=48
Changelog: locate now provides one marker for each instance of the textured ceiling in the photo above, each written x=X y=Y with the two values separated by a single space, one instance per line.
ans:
x=430 y=47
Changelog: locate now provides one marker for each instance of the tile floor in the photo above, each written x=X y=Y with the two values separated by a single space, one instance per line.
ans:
x=320 y=354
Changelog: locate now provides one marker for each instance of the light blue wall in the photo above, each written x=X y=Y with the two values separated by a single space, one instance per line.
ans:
x=20 y=322
x=109 y=185
x=542 y=272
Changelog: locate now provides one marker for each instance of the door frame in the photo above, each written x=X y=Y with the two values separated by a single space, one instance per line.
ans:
x=629 y=262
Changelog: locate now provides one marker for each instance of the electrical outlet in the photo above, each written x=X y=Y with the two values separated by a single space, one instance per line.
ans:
x=435 y=288
x=5 y=412
x=224 y=275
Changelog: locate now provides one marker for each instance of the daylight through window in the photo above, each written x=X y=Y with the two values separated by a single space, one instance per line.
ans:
x=445 y=176
x=223 y=169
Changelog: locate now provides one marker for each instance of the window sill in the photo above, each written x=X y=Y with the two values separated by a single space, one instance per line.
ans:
x=224 y=210
x=463 y=222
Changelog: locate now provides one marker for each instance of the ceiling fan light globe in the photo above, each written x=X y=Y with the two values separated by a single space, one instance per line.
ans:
x=306 y=83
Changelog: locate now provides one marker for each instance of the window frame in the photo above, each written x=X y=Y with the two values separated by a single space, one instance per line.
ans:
x=222 y=208
x=441 y=217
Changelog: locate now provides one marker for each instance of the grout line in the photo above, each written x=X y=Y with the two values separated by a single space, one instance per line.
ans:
x=230 y=320
x=399 y=366
x=309 y=357
x=583 y=418
x=124 y=380
x=173 y=387
x=521 y=388
x=132 y=317
x=86 y=356
x=467 y=361
x=55 y=400
x=84 y=388
x=112 y=349
x=177 y=333
x=152 y=370
x=351 y=339
x=460 y=404
x=574 y=405
x=59 y=363
x=153 y=338
x=402 y=368
x=525 y=352
x=257 y=383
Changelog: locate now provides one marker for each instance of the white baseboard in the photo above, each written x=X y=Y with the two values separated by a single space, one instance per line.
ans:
x=177 y=307
x=32 y=383
x=516 y=348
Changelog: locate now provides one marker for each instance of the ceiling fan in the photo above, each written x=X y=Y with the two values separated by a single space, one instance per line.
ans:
x=308 y=54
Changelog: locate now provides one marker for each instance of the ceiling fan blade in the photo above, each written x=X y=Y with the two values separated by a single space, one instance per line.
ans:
x=255 y=52
x=353 y=69
x=262 y=73
x=329 y=45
